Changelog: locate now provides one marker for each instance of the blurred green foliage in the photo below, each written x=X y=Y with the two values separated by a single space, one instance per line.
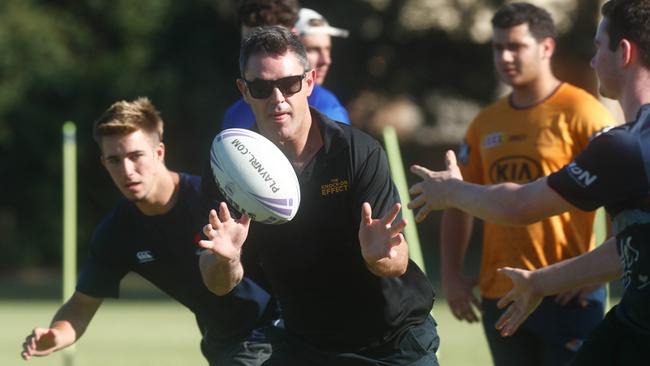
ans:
x=70 y=59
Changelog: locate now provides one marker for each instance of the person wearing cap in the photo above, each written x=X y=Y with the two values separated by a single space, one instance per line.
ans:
x=285 y=13
x=316 y=34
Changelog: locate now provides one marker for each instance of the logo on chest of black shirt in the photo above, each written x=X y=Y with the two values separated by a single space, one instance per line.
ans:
x=334 y=186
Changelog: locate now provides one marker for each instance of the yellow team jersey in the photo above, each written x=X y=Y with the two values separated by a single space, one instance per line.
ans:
x=506 y=144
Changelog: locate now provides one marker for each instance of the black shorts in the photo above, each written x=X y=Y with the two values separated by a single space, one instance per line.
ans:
x=614 y=343
x=250 y=351
x=417 y=347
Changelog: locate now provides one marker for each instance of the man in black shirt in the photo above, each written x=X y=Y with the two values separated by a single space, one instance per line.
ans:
x=613 y=171
x=154 y=231
x=348 y=292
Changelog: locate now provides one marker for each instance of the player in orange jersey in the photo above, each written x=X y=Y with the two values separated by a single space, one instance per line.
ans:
x=537 y=129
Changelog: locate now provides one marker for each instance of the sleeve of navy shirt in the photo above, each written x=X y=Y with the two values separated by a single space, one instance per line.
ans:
x=102 y=272
x=608 y=172
x=328 y=104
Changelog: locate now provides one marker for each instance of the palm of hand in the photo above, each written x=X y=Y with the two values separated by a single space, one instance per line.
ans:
x=46 y=341
x=375 y=238
x=225 y=234
x=431 y=193
x=378 y=237
x=523 y=300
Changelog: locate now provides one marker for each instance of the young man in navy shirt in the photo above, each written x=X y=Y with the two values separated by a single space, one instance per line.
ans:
x=153 y=231
x=613 y=171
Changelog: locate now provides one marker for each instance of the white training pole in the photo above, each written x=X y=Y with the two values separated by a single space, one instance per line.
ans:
x=69 y=221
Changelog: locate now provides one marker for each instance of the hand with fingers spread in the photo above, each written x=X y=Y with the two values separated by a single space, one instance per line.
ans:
x=382 y=244
x=431 y=193
x=220 y=264
x=521 y=301
x=41 y=342
x=460 y=297
x=225 y=234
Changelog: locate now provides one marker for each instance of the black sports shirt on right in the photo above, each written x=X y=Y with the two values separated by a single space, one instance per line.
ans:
x=614 y=171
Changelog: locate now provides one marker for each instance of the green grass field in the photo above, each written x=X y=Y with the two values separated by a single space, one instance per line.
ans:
x=160 y=333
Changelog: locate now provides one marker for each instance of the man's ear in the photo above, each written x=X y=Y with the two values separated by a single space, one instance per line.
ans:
x=548 y=47
x=241 y=85
x=310 y=78
x=160 y=151
x=628 y=52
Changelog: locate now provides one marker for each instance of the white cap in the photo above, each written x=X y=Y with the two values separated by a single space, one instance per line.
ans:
x=311 y=22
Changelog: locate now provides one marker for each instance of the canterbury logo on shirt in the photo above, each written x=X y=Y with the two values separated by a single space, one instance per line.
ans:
x=335 y=186
x=144 y=256
x=583 y=177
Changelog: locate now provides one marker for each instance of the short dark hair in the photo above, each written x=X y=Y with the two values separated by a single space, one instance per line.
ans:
x=123 y=118
x=273 y=40
x=259 y=13
x=629 y=19
x=539 y=20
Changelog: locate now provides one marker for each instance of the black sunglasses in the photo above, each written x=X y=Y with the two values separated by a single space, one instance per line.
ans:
x=262 y=89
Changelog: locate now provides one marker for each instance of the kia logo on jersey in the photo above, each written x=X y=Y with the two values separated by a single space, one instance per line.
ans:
x=518 y=169
x=583 y=177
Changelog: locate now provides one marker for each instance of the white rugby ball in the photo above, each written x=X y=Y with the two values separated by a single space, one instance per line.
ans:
x=254 y=176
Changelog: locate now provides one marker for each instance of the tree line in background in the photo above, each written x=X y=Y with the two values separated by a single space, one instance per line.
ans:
x=69 y=60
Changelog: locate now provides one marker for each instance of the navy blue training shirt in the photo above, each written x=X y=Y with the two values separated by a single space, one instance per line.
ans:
x=163 y=249
x=614 y=171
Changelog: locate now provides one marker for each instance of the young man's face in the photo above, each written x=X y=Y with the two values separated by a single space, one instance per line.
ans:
x=319 y=48
x=279 y=115
x=518 y=56
x=133 y=162
x=604 y=62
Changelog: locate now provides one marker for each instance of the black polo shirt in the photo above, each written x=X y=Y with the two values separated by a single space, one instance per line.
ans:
x=328 y=297
x=614 y=171
x=163 y=249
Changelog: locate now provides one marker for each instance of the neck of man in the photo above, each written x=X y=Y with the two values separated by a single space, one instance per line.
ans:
x=535 y=92
x=163 y=196
x=301 y=150
x=635 y=92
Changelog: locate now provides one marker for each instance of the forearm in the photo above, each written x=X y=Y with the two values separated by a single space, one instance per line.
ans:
x=73 y=318
x=507 y=203
x=219 y=275
x=391 y=267
x=455 y=231
x=595 y=267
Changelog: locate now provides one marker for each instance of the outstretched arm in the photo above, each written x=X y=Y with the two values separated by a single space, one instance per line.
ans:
x=68 y=325
x=220 y=264
x=598 y=266
x=383 y=246
x=506 y=203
